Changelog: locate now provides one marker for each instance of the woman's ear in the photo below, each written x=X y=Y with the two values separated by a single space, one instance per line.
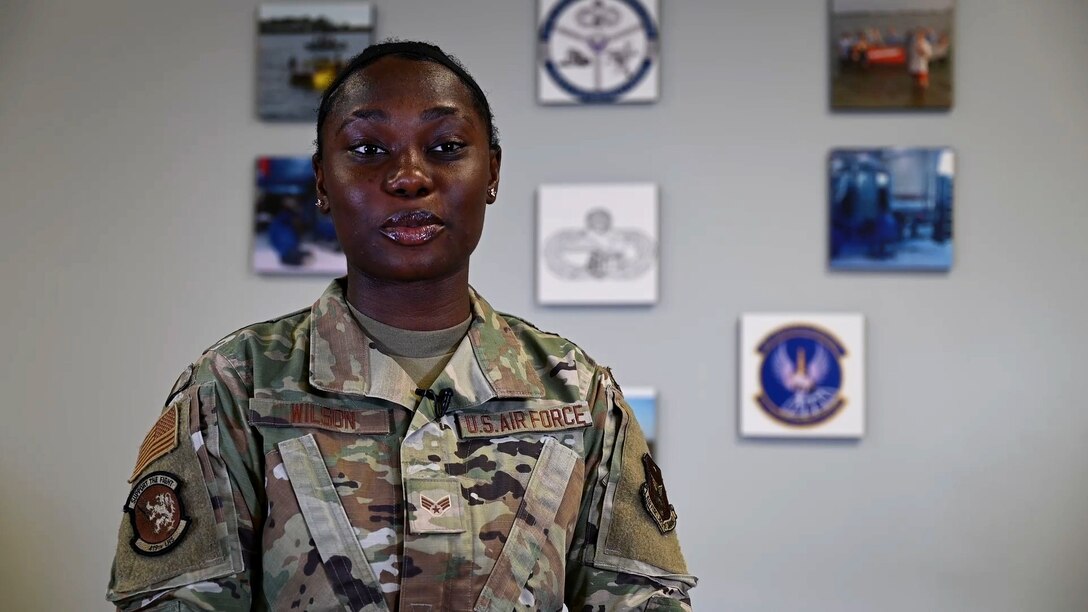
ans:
x=319 y=176
x=493 y=180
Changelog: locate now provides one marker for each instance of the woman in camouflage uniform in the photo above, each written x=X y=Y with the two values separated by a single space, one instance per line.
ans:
x=399 y=444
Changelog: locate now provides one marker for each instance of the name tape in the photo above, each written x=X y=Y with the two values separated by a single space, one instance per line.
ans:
x=299 y=414
x=488 y=425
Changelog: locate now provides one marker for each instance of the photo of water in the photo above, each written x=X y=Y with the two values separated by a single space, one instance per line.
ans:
x=300 y=50
x=891 y=54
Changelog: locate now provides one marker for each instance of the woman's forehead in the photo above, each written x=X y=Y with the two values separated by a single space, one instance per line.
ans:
x=401 y=82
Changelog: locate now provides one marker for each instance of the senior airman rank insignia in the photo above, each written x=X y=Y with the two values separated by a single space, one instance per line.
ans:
x=157 y=514
x=654 y=497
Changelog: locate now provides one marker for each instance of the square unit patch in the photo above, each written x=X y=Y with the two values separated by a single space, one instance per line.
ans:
x=434 y=506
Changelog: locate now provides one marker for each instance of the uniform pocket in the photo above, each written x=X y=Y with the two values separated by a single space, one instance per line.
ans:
x=542 y=521
x=341 y=554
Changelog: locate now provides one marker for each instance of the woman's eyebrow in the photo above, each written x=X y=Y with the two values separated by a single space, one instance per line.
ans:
x=438 y=112
x=375 y=115
x=365 y=114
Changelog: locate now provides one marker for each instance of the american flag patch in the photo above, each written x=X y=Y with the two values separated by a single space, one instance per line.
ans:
x=162 y=439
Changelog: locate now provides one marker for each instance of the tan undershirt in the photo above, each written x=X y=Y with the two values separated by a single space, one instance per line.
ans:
x=422 y=354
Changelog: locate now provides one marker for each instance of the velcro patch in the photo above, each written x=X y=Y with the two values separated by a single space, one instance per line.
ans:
x=434 y=506
x=162 y=439
x=654 y=497
x=157 y=514
x=488 y=425
x=271 y=413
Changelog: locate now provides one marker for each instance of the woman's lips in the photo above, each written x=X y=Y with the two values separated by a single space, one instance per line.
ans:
x=412 y=227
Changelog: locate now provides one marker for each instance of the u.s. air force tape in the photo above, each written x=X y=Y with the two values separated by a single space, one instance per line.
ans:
x=526 y=420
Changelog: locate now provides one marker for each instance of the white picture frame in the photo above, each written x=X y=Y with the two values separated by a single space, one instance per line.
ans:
x=598 y=51
x=802 y=375
x=597 y=244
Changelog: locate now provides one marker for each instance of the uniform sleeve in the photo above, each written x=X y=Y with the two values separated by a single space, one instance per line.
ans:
x=625 y=554
x=186 y=540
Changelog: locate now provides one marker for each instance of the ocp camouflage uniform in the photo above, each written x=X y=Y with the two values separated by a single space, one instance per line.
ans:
x=296 y=467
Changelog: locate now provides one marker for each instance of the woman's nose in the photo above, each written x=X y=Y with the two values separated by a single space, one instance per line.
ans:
x=409 y=176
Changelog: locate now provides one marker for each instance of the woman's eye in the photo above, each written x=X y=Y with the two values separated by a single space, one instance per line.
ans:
x=449 y=147
x=368 y=149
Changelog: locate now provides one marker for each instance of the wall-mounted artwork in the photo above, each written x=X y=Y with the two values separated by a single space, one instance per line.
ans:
x=643 y=402
x=597 y=51
x=891 y=54
x=597 y=244
x=802 y=375
x=891 y=209
x=301 y=46
x=291 y=236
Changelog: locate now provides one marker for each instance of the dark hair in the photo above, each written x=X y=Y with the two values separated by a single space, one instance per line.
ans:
x=412 y=50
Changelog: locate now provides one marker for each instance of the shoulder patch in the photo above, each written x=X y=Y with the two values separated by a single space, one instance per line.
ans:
x=157 y=514
x=654 y=497
x=631 y=537
x=162 y=439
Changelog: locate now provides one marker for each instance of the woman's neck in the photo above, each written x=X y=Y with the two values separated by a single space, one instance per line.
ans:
x=416 y=305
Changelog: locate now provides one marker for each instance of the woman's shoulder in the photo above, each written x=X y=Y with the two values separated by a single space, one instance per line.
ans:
x=285 y=331
x=232 y=357
x=545 y=341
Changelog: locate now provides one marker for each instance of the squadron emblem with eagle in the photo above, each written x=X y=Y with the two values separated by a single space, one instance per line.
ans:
x=801 y=375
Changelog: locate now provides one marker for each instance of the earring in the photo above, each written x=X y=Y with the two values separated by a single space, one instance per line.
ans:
x=492 y=192
x=318 y=203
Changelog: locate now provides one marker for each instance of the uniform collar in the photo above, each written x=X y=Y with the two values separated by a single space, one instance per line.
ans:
x=340 y=352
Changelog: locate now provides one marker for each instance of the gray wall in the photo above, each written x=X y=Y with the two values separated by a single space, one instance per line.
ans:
x=128 y=137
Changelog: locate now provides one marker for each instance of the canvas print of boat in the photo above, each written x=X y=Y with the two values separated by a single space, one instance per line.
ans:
x=891 y=54
x=300 y=49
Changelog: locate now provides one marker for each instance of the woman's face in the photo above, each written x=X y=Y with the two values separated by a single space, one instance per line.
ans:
x=406 y=168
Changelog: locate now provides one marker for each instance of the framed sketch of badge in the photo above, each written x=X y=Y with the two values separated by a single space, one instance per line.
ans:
x=597 y=51
x=802 y=375
x=597 y=244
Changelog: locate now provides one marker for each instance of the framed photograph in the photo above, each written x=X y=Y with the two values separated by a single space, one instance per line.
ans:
x=891 y=209
x=597 y=51
x=802 y=375
x=597 y=244
x=291 y=236
x=301 y=46
x=643 y=402
x=891 y=54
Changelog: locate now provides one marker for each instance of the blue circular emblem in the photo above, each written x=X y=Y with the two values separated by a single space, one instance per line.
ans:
x=801 y=375
x=607 y=47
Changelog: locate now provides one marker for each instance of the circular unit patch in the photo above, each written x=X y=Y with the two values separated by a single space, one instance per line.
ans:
x=801 y=375
x=156 y=513
x=580 y=69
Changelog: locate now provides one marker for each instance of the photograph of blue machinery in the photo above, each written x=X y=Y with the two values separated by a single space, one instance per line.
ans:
x=291 y=236
x=891 y=209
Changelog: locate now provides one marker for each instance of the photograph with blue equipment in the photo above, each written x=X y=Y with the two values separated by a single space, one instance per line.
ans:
x=291 y=235
x=643 y=403
x=891 y=209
